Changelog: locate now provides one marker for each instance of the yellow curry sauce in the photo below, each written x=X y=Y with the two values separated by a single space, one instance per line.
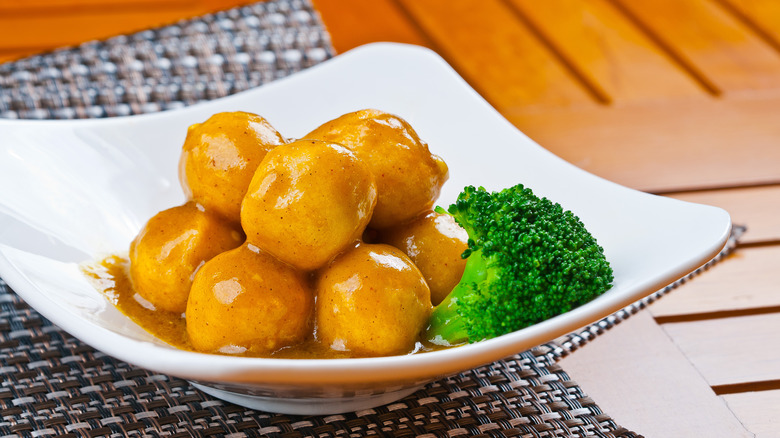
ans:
x=111 y=277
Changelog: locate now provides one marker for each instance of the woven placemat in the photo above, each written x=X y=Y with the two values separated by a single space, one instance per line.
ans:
x=166 y=68
x=54 y=385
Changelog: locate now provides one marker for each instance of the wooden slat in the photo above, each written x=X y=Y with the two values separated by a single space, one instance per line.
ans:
x=7 y=55
x=497 y=54
x=70 y=30
x=35 y=26
x=731 y=351
x=747 y=280
x=760 y=15
x=758 y=411
x=758 y=208
x=352 y=23
x=607 y=48
x=667 y=147
x=73 y=7
x=712 y=39
x=640 y=378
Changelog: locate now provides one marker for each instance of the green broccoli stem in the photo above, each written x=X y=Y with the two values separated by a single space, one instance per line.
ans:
x=447 y=327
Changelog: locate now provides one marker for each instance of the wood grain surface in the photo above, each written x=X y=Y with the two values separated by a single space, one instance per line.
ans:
x=677 y=98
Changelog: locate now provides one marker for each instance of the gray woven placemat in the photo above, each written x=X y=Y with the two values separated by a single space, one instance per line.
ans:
x=54 y=385
x=169 y=67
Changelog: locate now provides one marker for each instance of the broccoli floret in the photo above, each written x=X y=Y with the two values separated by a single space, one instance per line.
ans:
x=528 y=260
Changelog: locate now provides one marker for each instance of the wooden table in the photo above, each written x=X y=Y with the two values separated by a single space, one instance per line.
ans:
x=677 y=98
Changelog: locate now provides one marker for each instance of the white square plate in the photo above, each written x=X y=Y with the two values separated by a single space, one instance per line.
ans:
x=76 y=191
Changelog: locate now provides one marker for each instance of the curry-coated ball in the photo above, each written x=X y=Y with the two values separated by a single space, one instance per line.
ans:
x=245 y=301
x=408 y=176
x=171 y=246
x=308 y=201
x=371 y=301
x=219 y=158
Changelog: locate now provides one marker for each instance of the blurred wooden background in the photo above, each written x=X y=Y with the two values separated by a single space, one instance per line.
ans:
x=620 y=74
x=679 y=98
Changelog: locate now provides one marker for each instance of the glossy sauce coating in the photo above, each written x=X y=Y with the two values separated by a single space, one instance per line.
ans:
x=408 y=176
x=371 y=301
x=308 y=201
x=435 y=243
x=171 y=247
x=219 y=158
x=302 y=284
x=247 y=301
x=111 y=277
